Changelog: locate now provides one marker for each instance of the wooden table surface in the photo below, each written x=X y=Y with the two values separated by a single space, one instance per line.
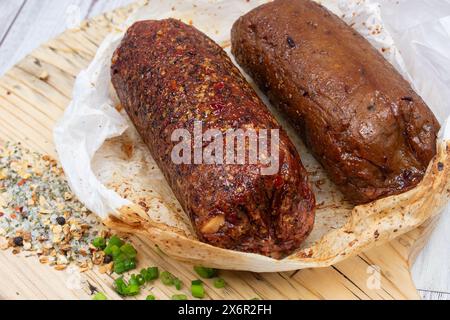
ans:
x=25 y=24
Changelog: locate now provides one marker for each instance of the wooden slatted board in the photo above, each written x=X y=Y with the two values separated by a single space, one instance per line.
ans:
x=31 y=102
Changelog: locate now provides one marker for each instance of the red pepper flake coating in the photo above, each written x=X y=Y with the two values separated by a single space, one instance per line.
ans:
x=167 y=75
x=371 y=132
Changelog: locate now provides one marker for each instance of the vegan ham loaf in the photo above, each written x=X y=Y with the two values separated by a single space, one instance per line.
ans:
x=167 y=75
x=364 y=123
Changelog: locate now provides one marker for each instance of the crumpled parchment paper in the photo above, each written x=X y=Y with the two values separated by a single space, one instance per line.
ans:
x=114 y=175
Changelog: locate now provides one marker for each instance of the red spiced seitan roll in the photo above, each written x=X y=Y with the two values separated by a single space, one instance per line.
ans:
x=168 y=75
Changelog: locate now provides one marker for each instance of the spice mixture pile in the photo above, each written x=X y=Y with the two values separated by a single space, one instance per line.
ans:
x=40 y=216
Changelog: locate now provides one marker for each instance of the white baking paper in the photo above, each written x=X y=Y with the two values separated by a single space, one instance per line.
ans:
x=414 y=35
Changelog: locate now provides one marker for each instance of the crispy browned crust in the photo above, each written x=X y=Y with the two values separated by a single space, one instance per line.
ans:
x=168 y=74
x=365 y=124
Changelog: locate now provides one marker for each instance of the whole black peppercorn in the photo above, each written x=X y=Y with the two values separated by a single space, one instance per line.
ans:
x=291 y=42
x=61 y=221
x=18 y=241
x=108 y=258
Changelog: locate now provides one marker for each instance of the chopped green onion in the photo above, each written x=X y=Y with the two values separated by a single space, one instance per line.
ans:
x=197 y=282
x=115 y=252
x=121 y=257
x=108 y=250
x=197 y=289
x=150 y=297
x=99 y=243
x=130 y=264
x=133 y=280
x=99 y=296
x=119 y=267
x=129 y=250
x=124 y=266
x=179 y=297
x=152 y=273
x=121 y=286
x=178 y=284
x=140 y=280
x=125 y=289
x=123 y=254
x=167 y=278
x=219 y=283
x=115 y=241
x=143 y=272
x=204 y=272
x=255 y=298
x=133 y=289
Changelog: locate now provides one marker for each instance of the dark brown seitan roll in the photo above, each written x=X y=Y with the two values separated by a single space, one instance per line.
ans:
x=371 y=132
x=168 y=74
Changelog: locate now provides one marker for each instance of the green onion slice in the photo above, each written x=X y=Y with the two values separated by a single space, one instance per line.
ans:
x=152 y=273
x=115 y=241
x=99 y=243
x=99 y=296
x=128 y=250
x=178 y=284
x=167 y=278
x=197 y=289
x=204 y=272
x=219 y=283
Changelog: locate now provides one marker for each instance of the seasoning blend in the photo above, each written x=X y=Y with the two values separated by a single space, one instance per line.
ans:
x=40 y=216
